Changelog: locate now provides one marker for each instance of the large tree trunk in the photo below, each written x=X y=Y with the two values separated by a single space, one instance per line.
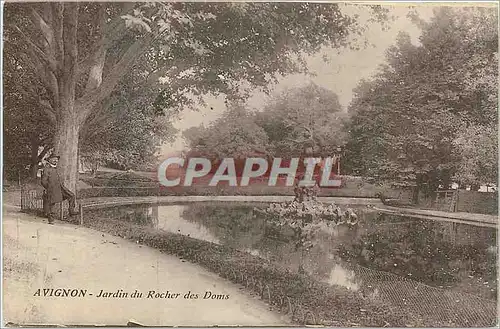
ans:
x=34 y=159
x=68 y=125
x=56 y=60
x=66 y=146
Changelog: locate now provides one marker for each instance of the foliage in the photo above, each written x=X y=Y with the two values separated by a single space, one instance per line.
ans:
x=27 y=132
x=404 y=121
x=120 y=179
x=190 y=48
x=128 y=137
x=234 y=135
x=297 y=118
x=477 y=148
x=309 y=116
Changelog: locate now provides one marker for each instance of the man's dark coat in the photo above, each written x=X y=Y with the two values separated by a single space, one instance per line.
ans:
x=52 y=184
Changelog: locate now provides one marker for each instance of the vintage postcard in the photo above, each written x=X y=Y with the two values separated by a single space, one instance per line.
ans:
x=249 y=164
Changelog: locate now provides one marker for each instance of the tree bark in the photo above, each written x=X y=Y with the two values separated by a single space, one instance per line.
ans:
x=34 y=158
x=66 y=146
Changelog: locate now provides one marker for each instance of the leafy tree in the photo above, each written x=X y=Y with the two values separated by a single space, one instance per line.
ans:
x=298 y=118
x=309 y=116
x=234 y=135
x=81 y=51
x=128 y=131
x=404 y=122
x=27 y=132
x=477 y=148
x=114 y=133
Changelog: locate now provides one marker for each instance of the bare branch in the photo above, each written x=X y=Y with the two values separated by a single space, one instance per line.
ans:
x=95 y=75
x=97 y=118
x=46 y=76
x=98 y=58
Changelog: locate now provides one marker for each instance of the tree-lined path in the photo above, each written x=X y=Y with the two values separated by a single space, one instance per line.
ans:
x=41 y=256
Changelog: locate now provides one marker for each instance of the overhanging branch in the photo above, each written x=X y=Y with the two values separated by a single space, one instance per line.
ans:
x=46 y=77
x=109 y=34
x=57 y=14
x=88 y=101
x=98 y=58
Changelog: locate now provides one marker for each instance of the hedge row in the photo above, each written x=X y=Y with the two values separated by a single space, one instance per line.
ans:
x=305 y=300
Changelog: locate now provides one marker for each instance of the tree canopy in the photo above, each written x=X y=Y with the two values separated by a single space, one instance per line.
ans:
x=234 y=135
x=417 y=119
x=296 y=119
x=81 y=52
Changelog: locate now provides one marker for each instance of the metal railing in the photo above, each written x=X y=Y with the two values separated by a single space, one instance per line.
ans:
x=32 y=201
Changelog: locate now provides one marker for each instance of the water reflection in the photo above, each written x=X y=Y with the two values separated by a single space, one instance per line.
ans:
x=439 y=254
x=239 y=228
x=171 y=219
x=381 y=249
x=343 y=277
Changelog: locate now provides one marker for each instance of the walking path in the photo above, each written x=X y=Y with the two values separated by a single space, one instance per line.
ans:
x=63 y=256
x=457 y=217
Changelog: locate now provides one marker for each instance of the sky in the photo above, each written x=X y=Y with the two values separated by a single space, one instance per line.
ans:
x=341 y=73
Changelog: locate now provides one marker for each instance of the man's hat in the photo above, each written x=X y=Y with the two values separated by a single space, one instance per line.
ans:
x=52 y=156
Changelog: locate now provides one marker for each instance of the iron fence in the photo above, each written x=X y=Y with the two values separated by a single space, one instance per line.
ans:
x=31 y=199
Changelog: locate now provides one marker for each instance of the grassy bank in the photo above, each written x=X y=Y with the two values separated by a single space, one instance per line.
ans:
x=305 y=300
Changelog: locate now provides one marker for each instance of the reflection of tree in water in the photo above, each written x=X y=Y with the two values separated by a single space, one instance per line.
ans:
x=416 y=250
x=239 y=227
x=420 y=251
x=233 y=225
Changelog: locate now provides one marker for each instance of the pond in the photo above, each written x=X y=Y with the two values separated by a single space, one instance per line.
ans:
x=426 y=265
x=448 y=255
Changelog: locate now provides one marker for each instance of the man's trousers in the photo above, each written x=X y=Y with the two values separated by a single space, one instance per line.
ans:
x=49 y=207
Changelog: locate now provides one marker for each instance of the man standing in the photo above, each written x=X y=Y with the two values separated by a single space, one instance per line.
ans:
x=55 y=190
